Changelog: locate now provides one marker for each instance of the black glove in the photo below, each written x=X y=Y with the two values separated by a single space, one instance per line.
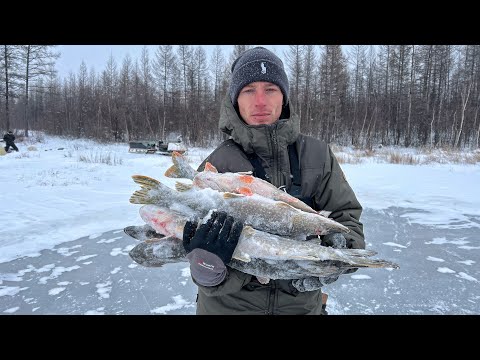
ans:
x=307 y=284
x=335 y=240
x=219 y=235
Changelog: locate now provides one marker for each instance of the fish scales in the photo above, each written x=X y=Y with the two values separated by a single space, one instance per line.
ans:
x=256 y=254
x=170 y=250
x=258 y=244
x=240 y=183
x=261 y=213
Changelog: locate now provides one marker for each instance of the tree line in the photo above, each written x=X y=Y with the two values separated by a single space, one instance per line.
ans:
x=361 y=95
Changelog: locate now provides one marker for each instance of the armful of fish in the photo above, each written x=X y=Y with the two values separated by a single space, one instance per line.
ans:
x=257 y=253
x=268 y=247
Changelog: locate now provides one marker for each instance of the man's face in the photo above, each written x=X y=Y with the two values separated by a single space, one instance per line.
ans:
x=260 y=103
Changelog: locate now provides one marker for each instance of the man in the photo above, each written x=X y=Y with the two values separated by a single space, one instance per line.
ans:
x=265 y=139
x=9 y=140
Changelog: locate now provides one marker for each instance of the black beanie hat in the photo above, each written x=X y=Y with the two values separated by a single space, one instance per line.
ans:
x=257 y=64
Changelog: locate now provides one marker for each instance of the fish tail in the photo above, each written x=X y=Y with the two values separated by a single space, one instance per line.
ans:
x=175 y=156
x=180 y=168
x=141 y=197
x=173 y=172
x=147 y=184
x=180 y=186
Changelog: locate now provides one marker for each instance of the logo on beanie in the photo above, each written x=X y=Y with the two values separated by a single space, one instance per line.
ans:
x=264 y=69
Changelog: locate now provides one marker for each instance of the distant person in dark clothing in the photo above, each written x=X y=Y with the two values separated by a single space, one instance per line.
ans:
x=9 y=140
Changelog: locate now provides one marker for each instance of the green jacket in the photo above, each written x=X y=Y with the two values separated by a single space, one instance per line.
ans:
x=322 y=180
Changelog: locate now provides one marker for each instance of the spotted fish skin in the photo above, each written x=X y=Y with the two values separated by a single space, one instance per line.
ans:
x=255 y=244
x=239 y=183
x=276 y=217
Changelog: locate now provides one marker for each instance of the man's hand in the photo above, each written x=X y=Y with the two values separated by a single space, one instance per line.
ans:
x=335 y=240
x=219 y=235
x=307 y=284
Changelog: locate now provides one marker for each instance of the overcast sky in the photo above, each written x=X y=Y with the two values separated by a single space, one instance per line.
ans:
x=98 y=55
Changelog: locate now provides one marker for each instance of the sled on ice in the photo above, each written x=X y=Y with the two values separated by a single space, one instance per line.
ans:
x=162 y=147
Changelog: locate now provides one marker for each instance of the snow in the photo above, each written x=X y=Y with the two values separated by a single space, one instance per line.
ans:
x=66 y=189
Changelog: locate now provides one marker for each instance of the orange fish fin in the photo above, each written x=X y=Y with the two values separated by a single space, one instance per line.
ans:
x=210 y=167
x=248 y=179
x=244 y=191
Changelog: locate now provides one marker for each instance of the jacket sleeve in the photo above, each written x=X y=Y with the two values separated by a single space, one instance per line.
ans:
x=335 y=194
x=232 y=283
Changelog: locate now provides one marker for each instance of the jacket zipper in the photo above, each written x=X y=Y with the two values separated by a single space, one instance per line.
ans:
x=276 y=179
x=271 y=299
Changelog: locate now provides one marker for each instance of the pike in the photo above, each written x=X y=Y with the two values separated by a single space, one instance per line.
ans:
x=261 y=213
x=240 y=183
x=257 y=253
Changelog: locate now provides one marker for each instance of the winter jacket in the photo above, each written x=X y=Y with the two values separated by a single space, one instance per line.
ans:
x=322 y=182
x=9 y=138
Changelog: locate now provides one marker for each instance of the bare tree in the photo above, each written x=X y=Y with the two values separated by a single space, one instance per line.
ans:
x=38 y=61
x=217 y=68
x=163 y=67
x=125 y=91
x=146 y=82
x=10 y=66
x=294 y=64
x=185 y=54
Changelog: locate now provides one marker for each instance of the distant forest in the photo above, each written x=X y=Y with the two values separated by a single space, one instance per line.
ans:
x=405 y=95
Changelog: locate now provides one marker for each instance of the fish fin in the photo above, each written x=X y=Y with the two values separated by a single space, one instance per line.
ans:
x=229 y=195
x=175 y=156
x=245 y=172
x=147 y=184
x=241 y=257
x=172 y=172
x=248 y=179
x=324 y=213
x=141 y=197
x=180 y=186
x=248 y=231
x=282 y=204
x=210 y=167
x=244 y=191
